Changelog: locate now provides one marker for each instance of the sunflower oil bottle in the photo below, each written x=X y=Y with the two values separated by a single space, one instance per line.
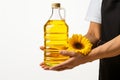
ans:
x=55 y=37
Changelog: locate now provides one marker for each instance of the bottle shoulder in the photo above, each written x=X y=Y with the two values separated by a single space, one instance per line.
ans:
x=56 y=22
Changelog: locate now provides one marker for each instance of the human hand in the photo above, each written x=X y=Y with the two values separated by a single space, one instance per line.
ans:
x=74 y=60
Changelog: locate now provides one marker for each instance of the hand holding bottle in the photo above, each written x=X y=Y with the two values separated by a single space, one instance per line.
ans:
x=74 y=60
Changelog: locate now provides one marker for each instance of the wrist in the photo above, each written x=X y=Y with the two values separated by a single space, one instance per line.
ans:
x=93 y=55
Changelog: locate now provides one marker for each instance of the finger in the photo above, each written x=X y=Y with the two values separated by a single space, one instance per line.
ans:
x=44 y=66
x=68 y=53
x=65 y=65
x=42 y=63
x=42 y=47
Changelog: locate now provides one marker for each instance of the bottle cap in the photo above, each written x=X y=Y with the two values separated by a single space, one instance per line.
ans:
x=55 y=5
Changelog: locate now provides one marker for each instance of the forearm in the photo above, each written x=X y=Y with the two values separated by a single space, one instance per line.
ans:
x=109 y=49
x=93 y=33
x=92 y=39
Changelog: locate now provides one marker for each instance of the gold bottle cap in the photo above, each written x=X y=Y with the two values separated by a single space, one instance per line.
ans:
x=55 y=5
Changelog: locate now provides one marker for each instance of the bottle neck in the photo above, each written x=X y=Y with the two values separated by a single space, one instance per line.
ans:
x=55 y=14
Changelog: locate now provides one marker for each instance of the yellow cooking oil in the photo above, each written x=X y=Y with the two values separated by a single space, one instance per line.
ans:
x=55 y=39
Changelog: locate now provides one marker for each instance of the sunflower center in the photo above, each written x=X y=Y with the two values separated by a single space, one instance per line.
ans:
x=78 y=45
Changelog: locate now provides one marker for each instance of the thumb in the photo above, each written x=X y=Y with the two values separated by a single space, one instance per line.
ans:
x=68 y=53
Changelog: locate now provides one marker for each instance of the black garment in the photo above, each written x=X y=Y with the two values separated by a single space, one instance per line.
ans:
x=110 y=67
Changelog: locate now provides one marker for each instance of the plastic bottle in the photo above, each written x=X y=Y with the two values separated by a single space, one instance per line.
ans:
x=55 y=37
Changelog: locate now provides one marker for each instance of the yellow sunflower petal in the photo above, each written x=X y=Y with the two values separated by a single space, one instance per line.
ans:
x=79 y=44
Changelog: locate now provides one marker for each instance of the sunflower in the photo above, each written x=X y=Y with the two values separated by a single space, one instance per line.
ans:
x=79 y=44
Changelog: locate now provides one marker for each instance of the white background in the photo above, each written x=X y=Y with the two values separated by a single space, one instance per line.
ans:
x=21 y=34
